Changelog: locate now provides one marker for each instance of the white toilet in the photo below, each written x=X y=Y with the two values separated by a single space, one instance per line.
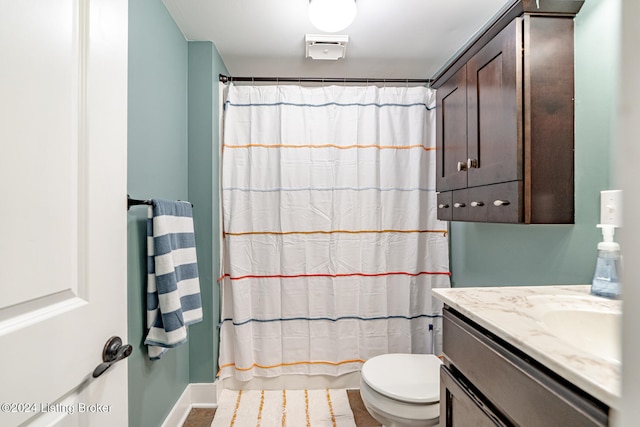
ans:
x=402 y=390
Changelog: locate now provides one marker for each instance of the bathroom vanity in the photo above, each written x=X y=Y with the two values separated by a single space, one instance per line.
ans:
x=529 y=356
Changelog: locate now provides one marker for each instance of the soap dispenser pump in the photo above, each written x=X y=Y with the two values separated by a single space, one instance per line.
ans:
x=606 y=280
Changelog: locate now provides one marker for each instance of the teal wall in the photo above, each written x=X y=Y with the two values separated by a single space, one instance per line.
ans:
x=158 y=168
x=205 y=65
x=173 y=154
x=501 y=254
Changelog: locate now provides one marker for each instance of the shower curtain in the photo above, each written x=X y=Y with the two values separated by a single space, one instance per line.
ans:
x=331 y=244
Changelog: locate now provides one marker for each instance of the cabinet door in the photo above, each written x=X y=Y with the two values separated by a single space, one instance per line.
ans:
x=451 y=136
x=494 y=105
x=460 y=407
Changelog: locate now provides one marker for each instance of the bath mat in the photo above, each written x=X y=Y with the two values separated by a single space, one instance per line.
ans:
x=283 y=408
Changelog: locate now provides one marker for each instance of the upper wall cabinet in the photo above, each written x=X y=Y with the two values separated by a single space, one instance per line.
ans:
x=505 y=120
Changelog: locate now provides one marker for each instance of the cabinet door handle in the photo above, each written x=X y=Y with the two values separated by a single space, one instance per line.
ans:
x=501 y=203
x=472 y=163
x=443 y=206
x=462 y=166
x=476 y=204
x=459 y=205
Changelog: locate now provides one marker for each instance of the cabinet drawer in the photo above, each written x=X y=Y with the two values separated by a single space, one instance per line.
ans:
x=460 y=205
x=460 y=407
x=521 y=391
x=488 y=203
x=477 y=204
x=444 y=212
x=504 y=202
x=467 y=207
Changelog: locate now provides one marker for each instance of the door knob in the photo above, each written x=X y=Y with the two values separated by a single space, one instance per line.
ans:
x=443 y=206
x=500 y=203
x=113 y=352
x=477 y=204
x=462 y=166
x=459 y=205
x=472 y=163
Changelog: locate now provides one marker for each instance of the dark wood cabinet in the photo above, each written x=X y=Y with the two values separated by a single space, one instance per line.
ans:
x=451 y=136
x=505 y=120
x=488 y=203
x=461 y=405
x=485 y=381
x=494 y=109
x=445 y=206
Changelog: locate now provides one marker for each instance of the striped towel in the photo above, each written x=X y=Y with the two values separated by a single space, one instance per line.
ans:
x=173 y=287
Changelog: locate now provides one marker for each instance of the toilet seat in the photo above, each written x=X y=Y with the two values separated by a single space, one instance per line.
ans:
x=410 y=378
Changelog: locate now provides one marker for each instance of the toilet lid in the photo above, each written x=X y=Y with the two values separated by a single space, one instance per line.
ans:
x=411 y=378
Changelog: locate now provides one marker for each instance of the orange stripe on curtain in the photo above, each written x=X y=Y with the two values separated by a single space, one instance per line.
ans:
x=340 y=147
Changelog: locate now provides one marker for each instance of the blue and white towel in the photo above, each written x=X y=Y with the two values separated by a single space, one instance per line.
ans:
x=173 y=287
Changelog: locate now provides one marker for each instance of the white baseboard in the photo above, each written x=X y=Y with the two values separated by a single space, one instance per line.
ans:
x=197 y=395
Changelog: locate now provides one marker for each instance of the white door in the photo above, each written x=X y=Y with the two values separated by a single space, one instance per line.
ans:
x=63 y=109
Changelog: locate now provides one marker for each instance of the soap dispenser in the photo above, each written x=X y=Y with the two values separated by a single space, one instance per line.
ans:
x=606 y=279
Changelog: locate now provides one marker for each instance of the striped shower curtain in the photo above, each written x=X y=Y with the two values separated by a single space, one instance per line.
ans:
x=331 y=244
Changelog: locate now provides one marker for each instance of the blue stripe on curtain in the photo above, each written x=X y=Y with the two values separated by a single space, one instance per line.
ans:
x=313 y=319
x=330 y=104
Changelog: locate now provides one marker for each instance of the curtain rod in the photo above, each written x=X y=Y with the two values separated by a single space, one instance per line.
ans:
x=230 y=79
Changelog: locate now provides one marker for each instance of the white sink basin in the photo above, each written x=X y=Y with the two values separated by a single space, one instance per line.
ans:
x=596 y=332
x=590 y=324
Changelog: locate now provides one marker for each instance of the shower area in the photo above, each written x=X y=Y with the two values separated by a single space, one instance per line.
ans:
x=330 y=244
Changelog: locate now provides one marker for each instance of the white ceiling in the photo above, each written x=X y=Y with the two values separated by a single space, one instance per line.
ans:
x=388 y=39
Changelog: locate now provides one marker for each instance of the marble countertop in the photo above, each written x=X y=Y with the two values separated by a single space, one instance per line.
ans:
x=514 y=313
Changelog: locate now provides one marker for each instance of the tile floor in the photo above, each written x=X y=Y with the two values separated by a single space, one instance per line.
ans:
x=202 y=417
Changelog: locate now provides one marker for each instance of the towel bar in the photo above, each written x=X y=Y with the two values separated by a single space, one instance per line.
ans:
x=136 y=202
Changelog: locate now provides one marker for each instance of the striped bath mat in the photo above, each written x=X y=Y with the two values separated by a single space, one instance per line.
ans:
x=282 y=408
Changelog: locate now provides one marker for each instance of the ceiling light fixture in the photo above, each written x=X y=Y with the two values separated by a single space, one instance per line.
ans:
x=332 y=15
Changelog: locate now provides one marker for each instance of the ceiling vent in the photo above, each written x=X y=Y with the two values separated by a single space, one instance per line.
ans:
x=325 y=47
